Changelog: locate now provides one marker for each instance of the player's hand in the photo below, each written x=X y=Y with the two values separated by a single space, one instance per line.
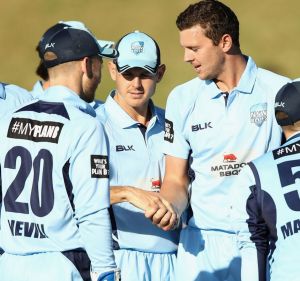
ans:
x=143 y=199
x=162 y=214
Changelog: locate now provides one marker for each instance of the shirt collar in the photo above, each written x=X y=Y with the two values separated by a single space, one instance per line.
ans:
x=37 y=89
x=119 y=116
x=67 y=96
x=244 y=86
x=292 y=138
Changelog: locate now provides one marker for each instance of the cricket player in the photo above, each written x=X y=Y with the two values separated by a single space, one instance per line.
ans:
x=11 y=97
x=41 y=85
x=135 y=128
x=267 y=210
x=215 y=124
x=54 y=217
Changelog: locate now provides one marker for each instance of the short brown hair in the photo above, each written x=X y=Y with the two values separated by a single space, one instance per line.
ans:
x=215 y=17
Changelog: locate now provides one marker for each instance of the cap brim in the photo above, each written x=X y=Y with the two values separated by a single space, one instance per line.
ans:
x=107 y=50
x=109 y=53
x=105 y=44
x=125 y=65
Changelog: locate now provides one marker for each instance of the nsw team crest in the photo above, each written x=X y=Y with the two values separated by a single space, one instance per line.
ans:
x=258 y=113
x=137 y=47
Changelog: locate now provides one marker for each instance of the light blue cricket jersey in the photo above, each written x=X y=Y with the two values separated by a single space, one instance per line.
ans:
x=12 y=97
x=137 y=162
x=55 y=179
x=273 y=199
x=220 y=138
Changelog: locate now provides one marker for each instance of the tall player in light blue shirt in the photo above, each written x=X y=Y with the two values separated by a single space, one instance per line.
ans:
x=54 y=163
x=215 y=124
x=135 y=127
x=267 y=212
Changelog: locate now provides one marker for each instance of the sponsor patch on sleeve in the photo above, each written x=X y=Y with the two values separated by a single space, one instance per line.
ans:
x=169 y=131
x=99 y=166
x=34 y=130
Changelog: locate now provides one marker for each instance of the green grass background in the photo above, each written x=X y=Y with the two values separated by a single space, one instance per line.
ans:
x=269 y=32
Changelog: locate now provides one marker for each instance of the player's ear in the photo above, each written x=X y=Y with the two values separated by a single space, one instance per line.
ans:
x=112 y=70
x=226 y=43
x=87 y=67
x=160 y=72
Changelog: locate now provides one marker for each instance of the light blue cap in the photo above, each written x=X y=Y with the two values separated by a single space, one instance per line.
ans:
x=137 y=49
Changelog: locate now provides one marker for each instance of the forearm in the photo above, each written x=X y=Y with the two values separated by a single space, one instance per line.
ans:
x=119 y=194
x=95 y=231
x=176 y=194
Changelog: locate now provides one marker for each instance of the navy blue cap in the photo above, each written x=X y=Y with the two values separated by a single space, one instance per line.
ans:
x=71 y=44
x=288 y=101
x=47 y=35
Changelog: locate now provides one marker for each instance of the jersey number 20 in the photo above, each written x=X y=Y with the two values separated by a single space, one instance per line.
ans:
x=41 y=203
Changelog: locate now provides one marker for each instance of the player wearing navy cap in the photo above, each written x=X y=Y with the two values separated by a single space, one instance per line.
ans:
x=267 y=212
x=135 y=126
x=215 y=124
x=41 y=70
x=54 y=217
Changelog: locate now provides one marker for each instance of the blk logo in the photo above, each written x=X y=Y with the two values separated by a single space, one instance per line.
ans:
x=200 y=127
x=49 y=45
x=124 y=148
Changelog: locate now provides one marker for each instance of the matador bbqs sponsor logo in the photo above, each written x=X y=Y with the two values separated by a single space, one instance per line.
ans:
x=229 y=167
x=155 y=185
x=258 y=113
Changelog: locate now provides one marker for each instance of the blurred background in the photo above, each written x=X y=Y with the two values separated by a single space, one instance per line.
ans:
x=269 y=32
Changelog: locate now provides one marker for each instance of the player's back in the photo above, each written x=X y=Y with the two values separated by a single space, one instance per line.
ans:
x=277 y=182
x=39 y=143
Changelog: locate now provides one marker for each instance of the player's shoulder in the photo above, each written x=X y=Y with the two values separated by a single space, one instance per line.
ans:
x=185 y=95
x=12 y=91
x=271 y=79
x=188 y=89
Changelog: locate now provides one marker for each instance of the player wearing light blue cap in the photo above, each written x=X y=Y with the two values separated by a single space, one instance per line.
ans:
x=54 y=163
x=267 y=212
x=134 y=126
x=11 y=97
x=215 y=124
